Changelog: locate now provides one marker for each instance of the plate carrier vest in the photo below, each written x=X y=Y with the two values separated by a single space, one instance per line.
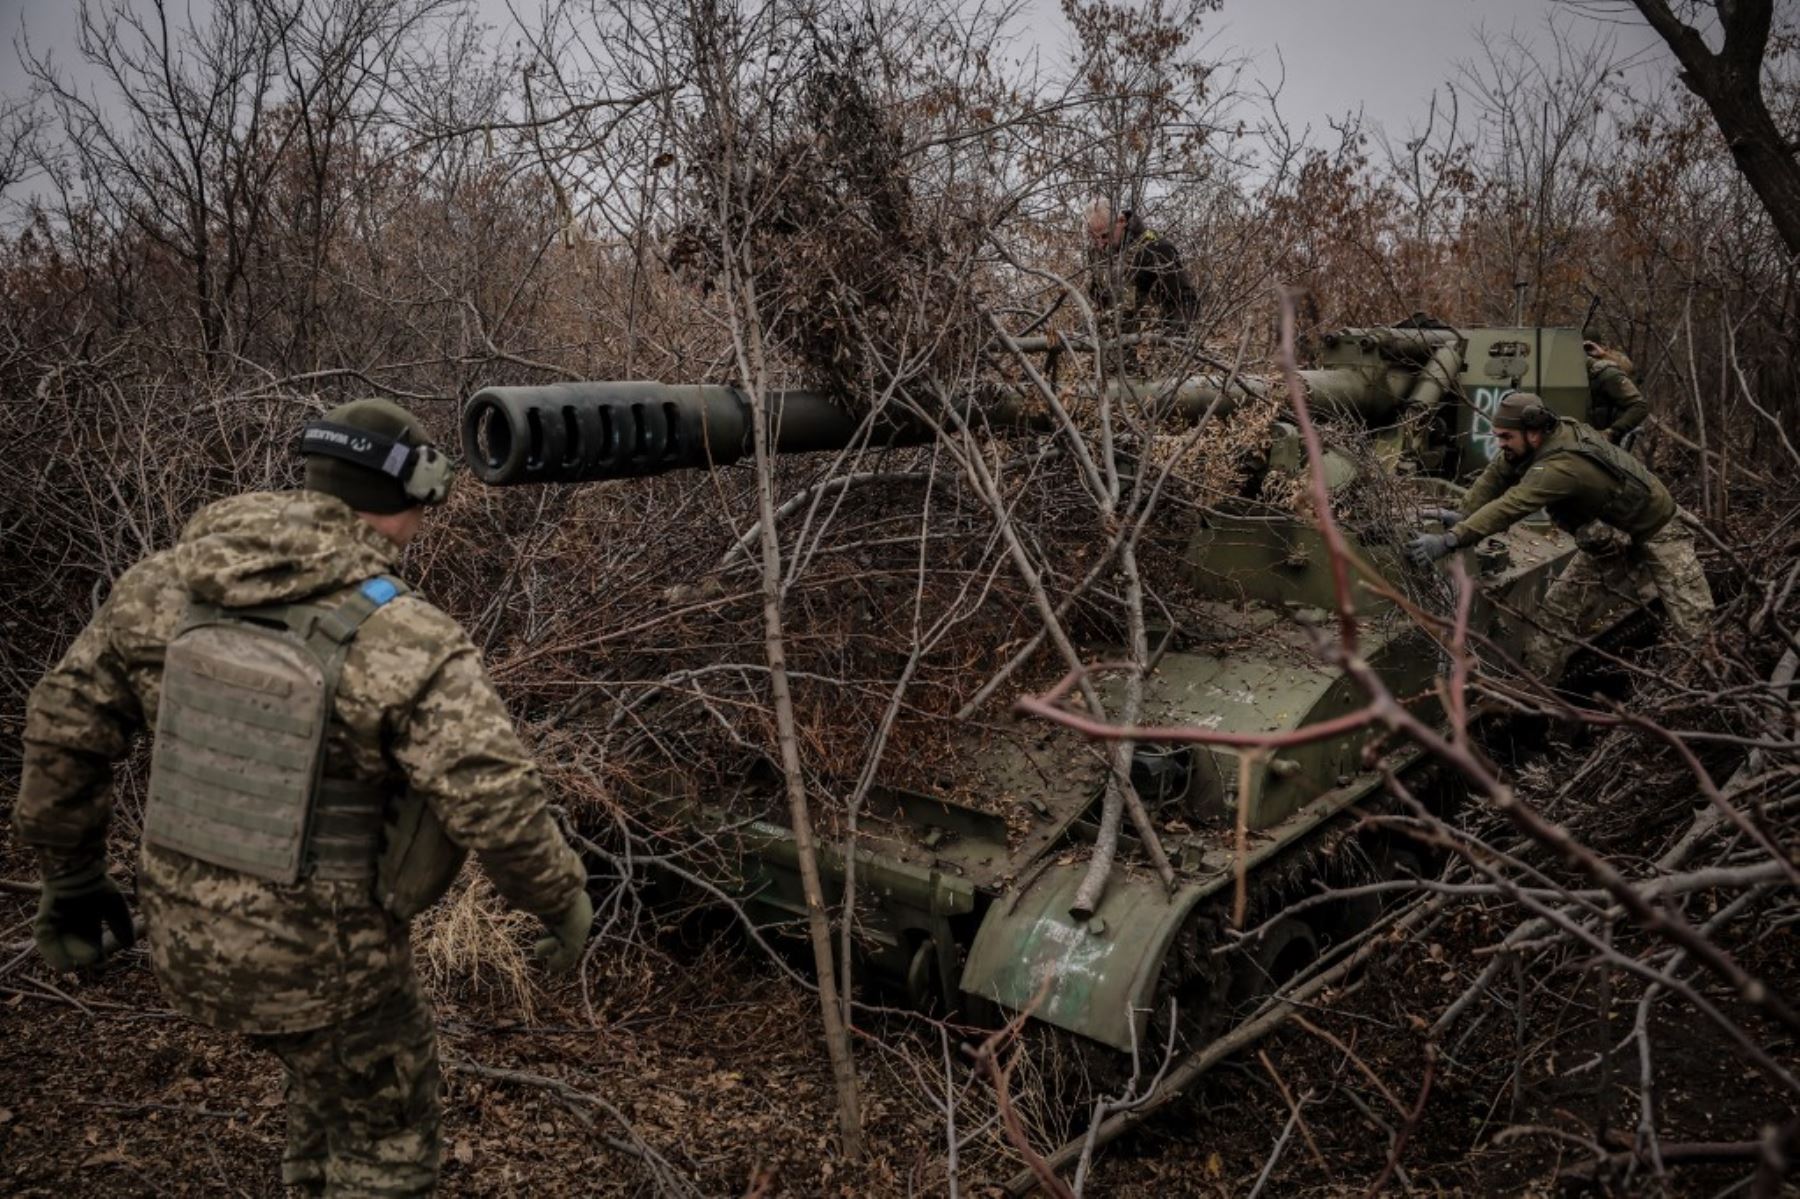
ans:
x=236 y=776
x=1635 y=488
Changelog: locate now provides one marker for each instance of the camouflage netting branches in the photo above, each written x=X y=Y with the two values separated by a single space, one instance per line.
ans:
x=860 y=274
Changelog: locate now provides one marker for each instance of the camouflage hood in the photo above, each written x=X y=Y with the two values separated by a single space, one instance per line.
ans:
x=273 y=547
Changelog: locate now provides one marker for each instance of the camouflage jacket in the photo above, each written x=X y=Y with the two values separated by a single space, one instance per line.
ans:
x=414 y=708
x=1617 y=398
x=1564 y=478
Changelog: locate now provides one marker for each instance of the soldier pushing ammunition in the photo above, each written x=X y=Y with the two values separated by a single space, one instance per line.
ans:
x=327 y=748
x=1122 y=249
x=1590 y=488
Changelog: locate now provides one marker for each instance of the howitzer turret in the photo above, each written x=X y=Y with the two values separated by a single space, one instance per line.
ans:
x=967 y=902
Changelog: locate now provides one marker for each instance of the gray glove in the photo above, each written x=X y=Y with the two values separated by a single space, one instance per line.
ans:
x=1448 y=517
x=1427 y=548
x=561 y=950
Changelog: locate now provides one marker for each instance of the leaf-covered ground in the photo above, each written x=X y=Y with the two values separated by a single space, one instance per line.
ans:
x=708 y=1057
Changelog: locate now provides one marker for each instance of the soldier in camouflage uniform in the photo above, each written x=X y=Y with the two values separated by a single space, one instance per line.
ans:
x=1616 y=399
x=1625 y=523
x=419 y=764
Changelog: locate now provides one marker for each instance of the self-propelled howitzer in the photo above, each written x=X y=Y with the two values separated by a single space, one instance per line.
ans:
x=963 y=904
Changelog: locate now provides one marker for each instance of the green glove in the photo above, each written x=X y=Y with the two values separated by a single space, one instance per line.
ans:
x=72 y=914
x=561 y=950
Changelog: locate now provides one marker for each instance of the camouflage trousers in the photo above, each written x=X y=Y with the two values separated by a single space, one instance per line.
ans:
x=363 y=1101
x=1591 y=582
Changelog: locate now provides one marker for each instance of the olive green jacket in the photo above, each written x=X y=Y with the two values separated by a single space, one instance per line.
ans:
x=1569 y=477
x=414 y=709
x=1620 y=399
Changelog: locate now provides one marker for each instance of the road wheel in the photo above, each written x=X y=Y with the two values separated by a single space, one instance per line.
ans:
x=1389 y=859
x=1286 y=949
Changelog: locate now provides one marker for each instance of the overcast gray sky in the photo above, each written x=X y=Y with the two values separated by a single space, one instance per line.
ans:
x=1386 y=56
x=1381 y=56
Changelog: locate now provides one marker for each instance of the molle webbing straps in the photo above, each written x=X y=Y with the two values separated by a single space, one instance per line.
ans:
x=344 y=836
x=235 y=777
x=239 y=731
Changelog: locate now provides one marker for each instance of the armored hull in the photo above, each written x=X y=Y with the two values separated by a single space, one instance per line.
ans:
x=965 y=870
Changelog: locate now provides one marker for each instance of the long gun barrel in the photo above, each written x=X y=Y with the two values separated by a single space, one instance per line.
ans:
x=580 y=432
x=1373 y=395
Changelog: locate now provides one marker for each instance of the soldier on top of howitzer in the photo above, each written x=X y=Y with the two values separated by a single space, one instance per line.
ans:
x=1121 y=250
x=1597 y=492
x=1616 y=397
x=327 y=748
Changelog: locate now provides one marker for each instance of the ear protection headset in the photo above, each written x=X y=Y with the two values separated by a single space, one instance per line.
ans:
x=424 y=472
x=1537 y=418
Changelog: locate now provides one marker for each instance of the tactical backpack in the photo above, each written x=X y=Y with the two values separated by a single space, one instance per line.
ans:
x=1603 y=405
x=1635 y=489
x=236 y=776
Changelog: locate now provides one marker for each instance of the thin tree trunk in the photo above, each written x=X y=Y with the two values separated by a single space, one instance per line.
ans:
x=837 y=1033
x=738 y=277
x=1119 y=792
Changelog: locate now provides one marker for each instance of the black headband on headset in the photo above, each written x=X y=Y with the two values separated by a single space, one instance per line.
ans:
x=389 y=455
x=423 y=473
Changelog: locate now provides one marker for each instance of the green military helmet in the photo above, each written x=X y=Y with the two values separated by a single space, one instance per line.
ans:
x=1523 y=410
x=375 y=456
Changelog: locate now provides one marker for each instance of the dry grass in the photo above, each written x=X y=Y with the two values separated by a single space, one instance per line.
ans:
x=472 y=946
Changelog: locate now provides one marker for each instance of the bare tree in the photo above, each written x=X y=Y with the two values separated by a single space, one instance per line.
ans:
x=1730 y=81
